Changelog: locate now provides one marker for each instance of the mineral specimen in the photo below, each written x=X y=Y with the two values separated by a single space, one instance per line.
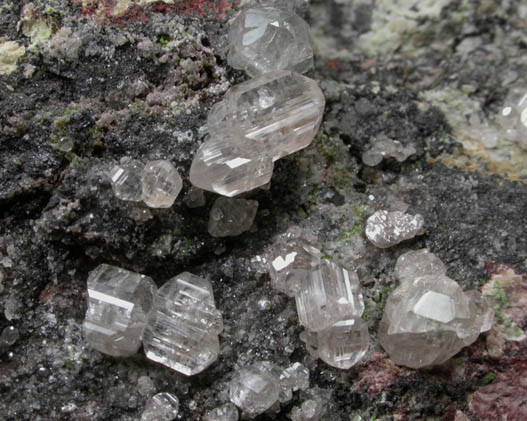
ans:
x=429 y=319
x=182 y=332
x=415 y=263
x=293 y=378
x=119 y=303
x=161 y=184
x=161 y=407
x=258 y=122
x=126 y=179
x=385 y=229
x=254 y=389
x=227 y=412
x=342 y=345
x=330 y=294
x=384 y=147
x=231 y=217
x=266 y=39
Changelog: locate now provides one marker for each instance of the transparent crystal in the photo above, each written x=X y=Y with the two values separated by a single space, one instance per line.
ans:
x=295 y=377
x=161 y=407
x=386 y=229
x=161 y=184
x=312 y=409
x=254 y=389
x=416 y=263
x=195 y=198
x=275 y=114
x=226 y=412
x=342 y=345
x=384 y=147
x=126 y=179
x=182 y=333
x=119 y=303
x=267 y=39
x=223 y=167
x=429 y=319
x=9 y=336
x=330 y=294
x=231 y=217
x=291 y=260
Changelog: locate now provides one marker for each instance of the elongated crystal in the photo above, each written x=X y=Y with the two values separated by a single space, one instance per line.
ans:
x=119 y=303
x=183 y=331
x=266 y=39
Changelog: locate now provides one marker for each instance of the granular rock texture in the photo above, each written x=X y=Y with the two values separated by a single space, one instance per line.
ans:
x=84 y=84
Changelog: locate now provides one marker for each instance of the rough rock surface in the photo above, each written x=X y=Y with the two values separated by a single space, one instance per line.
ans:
x=84 y=83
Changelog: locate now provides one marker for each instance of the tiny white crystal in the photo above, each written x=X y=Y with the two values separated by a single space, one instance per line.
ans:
x=161 y=407
x=126 y=179
x=119 y=303
x=266 y=39
x=161 y=184
x=386 y=229
x=254 y=389
x=231 y=217
x=226 y=412
x=182 y=333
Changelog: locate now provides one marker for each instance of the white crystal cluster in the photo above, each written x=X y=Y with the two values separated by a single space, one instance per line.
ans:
x=328 y=299
x=386 y=229
x=428 y=318
x=156 y=183
x=384 y=147
x=258 y=387
x=178 y=324
x=276 y=113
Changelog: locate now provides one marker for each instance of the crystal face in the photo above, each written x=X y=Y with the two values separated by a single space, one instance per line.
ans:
x=415 y=263
x=119 y=303
x=182 y=332
x=266 y=39
x=342 y=345
x=329 y=295
x=231 y=217
x=161 y=184
x=385 y=229
x=429 y=319
x=161 y=407
x=254 y=389
x=126 y=179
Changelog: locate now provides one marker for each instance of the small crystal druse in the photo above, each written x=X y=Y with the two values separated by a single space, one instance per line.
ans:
x=257 y=122
x=266 y=39
x=385 y=229
x=119 y=303
x=161 y=407
x=428 y=318
x=182 y=332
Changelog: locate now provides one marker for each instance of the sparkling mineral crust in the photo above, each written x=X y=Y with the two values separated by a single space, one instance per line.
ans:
x=231 y=217
x=257 y=122
x=161 y=184
x=266 y=39
x=428 y=319
x=161 y=407
x=126 y=179
x=119 y=303
x=385 y=229
x=182 y=332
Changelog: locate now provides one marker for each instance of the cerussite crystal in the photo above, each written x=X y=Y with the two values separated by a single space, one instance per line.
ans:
x=330 y=294
x=386 y=229
x=429 y=319
x=254 y=389
x=161 y=184
x=231 y=217
x=182 y=332
x=161 y=407
x=119 y=303
x=126 y=179
x=266 y=39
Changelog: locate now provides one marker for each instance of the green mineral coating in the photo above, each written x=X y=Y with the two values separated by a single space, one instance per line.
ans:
x=499 y=294
x=488 y=378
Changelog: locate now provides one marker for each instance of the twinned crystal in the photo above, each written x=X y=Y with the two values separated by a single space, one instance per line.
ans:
x=182 y=332
x=428 y=318
x=231 y=217
x=161 y=184
x=266 y=39
x=386 y=229
x=119 y=304
x=161 y=407
x=257 y=122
